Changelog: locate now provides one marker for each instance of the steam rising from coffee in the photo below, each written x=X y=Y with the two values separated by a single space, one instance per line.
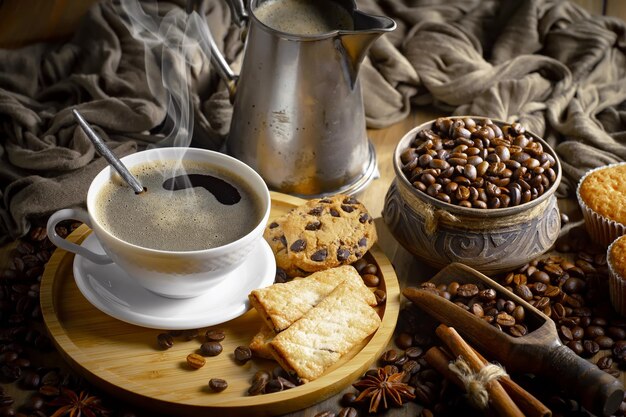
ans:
x=181 y=41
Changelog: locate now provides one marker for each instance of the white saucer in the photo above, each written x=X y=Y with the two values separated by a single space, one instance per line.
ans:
x=115 y=293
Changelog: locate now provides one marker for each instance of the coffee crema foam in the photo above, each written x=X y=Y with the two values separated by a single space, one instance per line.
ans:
x=182 y=220
x=304 y=17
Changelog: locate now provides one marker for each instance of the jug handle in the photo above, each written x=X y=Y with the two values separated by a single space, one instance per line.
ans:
x=217 y=58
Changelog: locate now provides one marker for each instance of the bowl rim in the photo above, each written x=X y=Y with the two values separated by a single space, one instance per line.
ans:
x=471 y=211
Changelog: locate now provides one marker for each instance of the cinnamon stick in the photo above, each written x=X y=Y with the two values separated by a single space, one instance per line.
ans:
x=530 y=406
x=527 y=402
x=499 y=400
x=439 y=359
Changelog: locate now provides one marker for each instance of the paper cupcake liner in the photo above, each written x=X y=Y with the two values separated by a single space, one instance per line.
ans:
x=617 y=285
x=601 y=229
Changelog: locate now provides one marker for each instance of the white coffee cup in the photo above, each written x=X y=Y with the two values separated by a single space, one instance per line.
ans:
x=175 y=274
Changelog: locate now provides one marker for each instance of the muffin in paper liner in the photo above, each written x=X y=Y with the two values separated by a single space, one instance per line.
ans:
x=616 y=260
x=601 y=229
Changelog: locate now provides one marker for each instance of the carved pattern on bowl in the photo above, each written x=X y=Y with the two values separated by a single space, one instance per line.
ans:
x=485 y=249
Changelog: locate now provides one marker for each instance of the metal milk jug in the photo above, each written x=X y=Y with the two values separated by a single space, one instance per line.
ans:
x=298 y=116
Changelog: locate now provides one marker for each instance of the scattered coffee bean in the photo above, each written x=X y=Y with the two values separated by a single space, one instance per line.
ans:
x=217 y=384
x=49 y=390
x=590 y=347
x=360 y=264
x=274 y=385
x=210 y=348
x=414 y=352
x=424 y=393
x=281 y=276
x=404 y=340
x=257 y=387
x=371 y=280
x=165 y=340
x=30 y=380
x=287 y=382
x=389 y=357
x=391 y=369
x=259 y=381
x=410 y=367
x=213 y=335
x=348 y=399
x=604 y=342
x=195 y=361
x=369 y=269
x=381 y=296
x=605 y=362
x=243 y=354
x=51 y=378
x=565 y=333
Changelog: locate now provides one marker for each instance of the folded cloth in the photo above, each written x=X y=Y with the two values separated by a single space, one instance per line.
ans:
x=115 y=81
x=546 y=63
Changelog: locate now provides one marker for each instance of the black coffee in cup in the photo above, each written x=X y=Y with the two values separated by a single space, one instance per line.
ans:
x=304 y=17
x=189 y=206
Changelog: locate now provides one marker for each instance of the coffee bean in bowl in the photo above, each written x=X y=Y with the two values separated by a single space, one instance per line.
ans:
x=474 y=190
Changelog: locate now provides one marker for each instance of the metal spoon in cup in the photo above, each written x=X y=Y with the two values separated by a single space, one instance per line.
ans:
x=104 y=150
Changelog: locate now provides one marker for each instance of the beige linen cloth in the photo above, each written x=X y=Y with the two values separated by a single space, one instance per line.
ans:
x=548 y=64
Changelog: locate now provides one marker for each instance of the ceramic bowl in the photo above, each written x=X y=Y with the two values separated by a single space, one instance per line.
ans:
x=489 y=240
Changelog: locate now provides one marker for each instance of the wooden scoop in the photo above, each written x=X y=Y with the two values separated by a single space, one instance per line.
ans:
x=539 y=352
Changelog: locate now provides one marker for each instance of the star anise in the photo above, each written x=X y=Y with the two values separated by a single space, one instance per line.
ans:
x=81 y=405
x=384 y=389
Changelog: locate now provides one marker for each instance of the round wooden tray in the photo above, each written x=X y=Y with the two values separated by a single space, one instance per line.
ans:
x=125 y=360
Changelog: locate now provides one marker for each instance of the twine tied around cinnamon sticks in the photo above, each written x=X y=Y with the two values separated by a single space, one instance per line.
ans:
x=504 y=397
x=475 y=383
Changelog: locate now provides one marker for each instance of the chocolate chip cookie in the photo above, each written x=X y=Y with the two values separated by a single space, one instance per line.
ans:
x=321 y=234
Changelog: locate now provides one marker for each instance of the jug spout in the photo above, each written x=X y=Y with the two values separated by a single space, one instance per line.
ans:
x=355 y=44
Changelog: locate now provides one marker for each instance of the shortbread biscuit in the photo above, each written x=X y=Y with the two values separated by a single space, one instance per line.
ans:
x=279 y=305
x=321 y=234
x=260 y=343
x=325 y=333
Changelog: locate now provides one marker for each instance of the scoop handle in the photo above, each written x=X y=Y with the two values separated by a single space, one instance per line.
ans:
x=597 y=391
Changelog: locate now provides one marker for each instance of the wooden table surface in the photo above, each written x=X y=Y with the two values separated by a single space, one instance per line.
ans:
x=408 y=270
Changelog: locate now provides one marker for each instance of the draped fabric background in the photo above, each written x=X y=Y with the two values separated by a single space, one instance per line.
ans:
x=548 y=64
